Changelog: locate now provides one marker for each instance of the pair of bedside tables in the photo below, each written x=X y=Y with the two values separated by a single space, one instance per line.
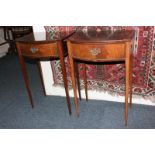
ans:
x=95 y=47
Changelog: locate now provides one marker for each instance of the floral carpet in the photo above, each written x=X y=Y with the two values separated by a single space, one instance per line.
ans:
x=110 y=77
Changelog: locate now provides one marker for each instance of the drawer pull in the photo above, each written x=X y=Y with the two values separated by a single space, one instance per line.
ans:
x=33 y=50
x=95 y=51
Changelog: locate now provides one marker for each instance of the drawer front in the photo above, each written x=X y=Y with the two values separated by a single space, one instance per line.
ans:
x=39 y=50
x=98 y=52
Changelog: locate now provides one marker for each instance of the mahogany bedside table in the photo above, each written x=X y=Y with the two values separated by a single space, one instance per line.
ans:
x=104 y=46
x=46 y=49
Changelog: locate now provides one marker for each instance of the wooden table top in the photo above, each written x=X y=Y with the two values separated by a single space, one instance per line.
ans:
x=31 y=38
x=102 y=36
x=80 y=36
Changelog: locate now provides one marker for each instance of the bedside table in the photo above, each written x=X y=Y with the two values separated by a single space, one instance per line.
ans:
x=47 y=49
x=104 y=46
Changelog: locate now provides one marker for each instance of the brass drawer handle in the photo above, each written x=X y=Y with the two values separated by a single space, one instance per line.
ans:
x=34 y=50
x=95 y=51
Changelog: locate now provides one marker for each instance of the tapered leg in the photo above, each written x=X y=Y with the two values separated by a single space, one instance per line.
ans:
x=127 y=69
x=131 y=70
x=74 y=86
x=25 y=75
x=41 y=77
x=73 y=79
x=7 y=37
x=77 y=78
x=5 y=33
x=61 y=56
x=85 y=81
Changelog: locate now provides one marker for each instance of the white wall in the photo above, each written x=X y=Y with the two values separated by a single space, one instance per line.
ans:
x=3 y=48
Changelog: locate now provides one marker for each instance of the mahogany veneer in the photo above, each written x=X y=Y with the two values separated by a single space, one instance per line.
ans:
x=102 y=47
x=41 y=50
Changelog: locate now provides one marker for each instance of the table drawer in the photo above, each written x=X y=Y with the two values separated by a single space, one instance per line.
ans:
x=38 y=50
x=98 y=52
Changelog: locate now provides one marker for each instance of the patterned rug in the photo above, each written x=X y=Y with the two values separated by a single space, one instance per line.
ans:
x=111 y=77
